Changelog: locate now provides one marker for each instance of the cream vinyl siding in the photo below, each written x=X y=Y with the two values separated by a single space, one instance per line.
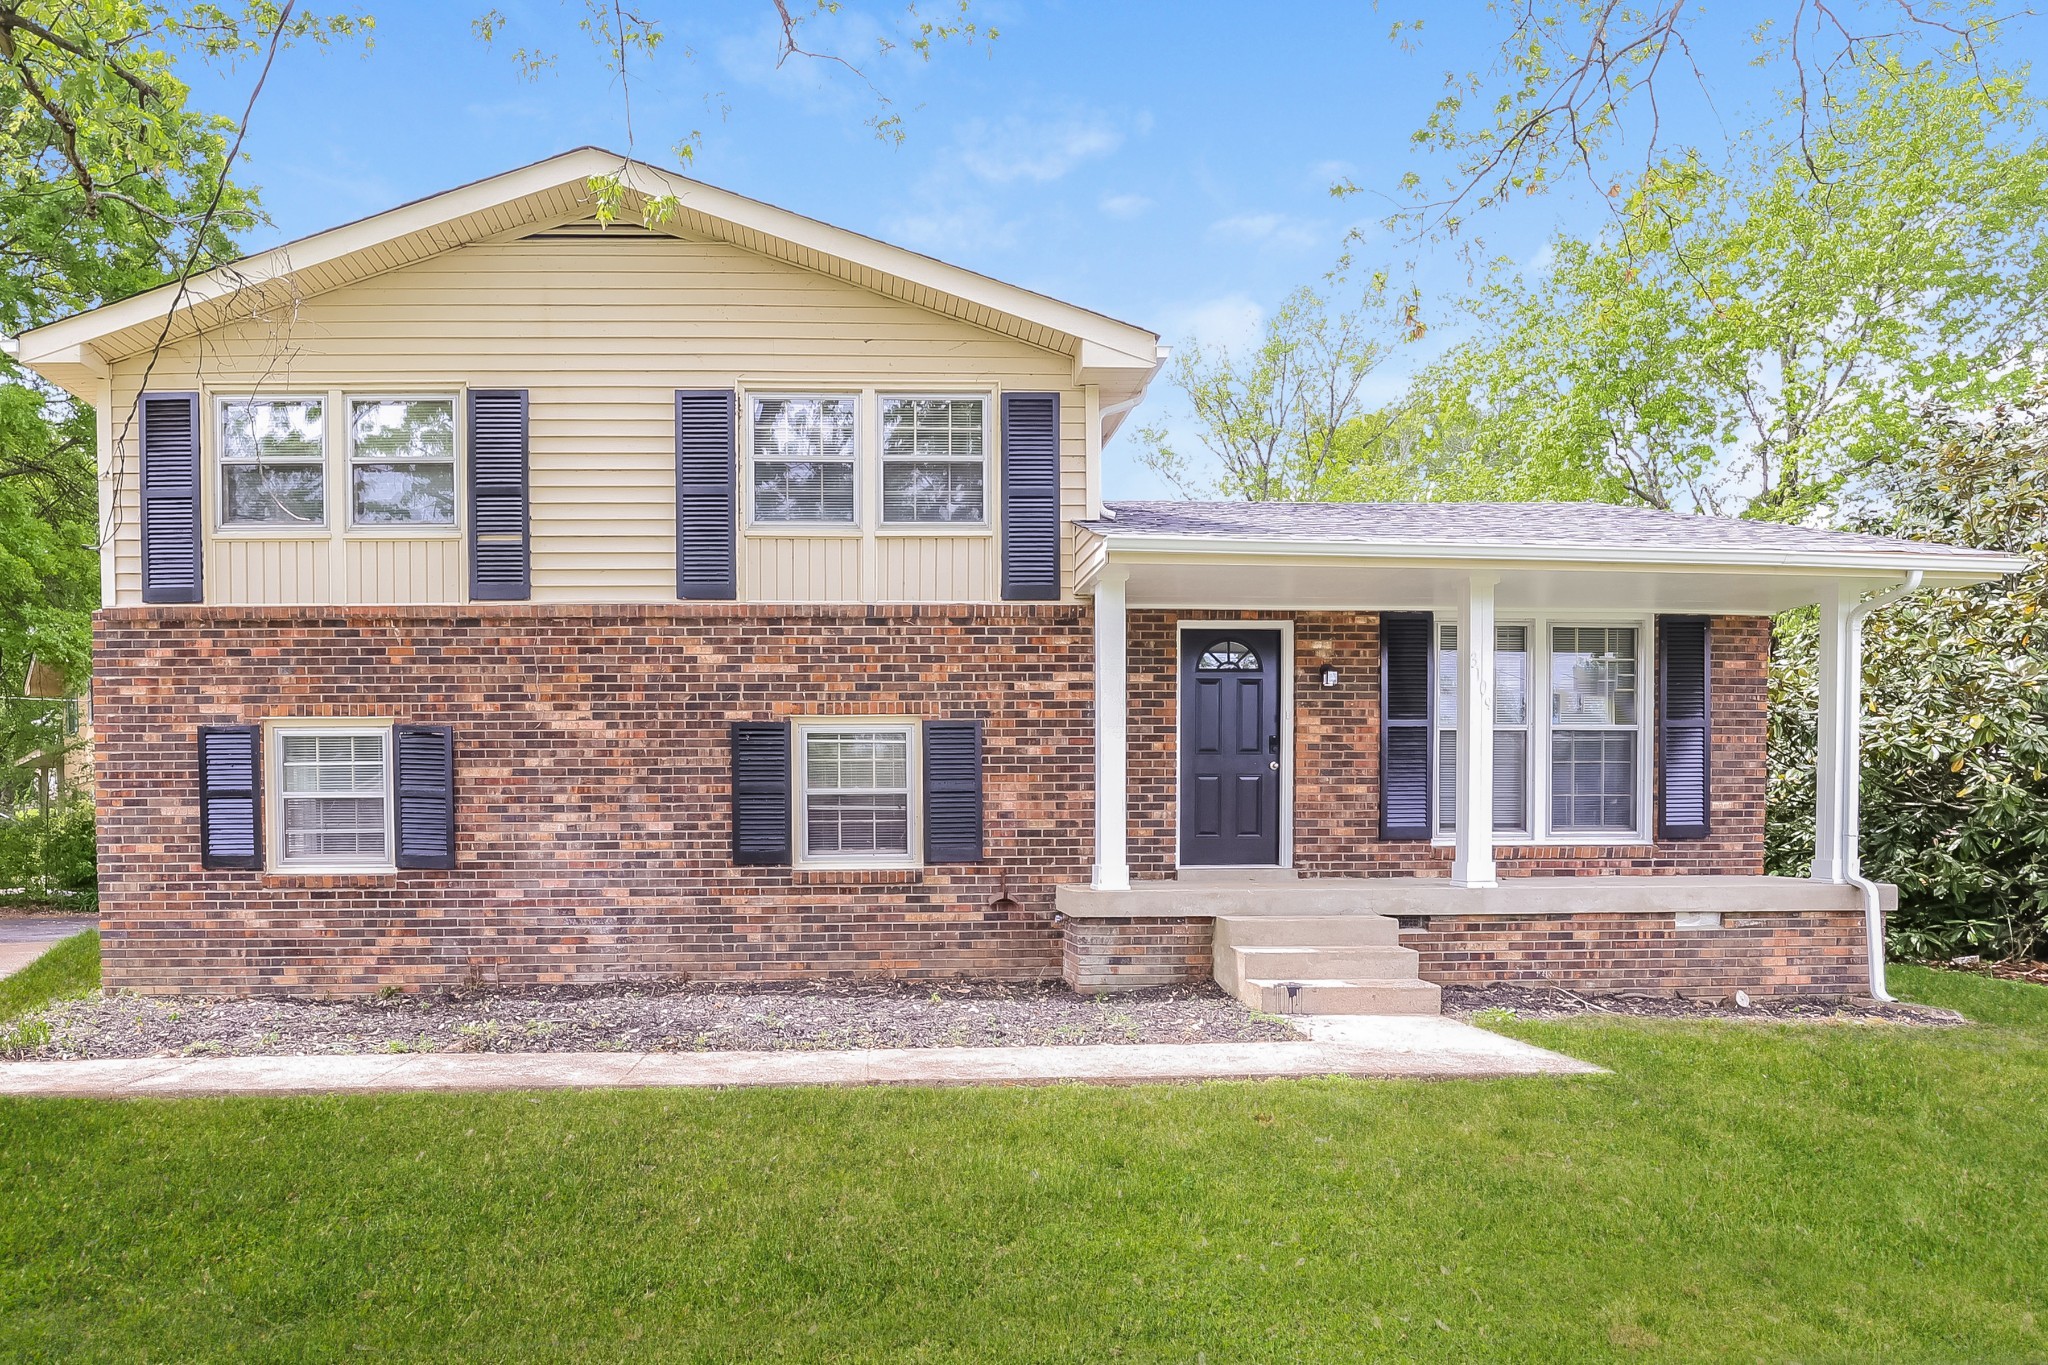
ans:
x=600 y=329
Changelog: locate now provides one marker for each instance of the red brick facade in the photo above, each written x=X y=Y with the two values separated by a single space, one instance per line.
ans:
x=1337 y=758
x=594 y=833
x=593 y=801
x=1785 y=953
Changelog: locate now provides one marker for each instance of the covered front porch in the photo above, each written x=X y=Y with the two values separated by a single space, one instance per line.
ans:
x=1535 y=751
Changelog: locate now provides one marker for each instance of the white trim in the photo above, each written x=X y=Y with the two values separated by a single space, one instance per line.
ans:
x=1143 y=545
x=1112 y=871
x=1285 y=626
x=274 y=734
x=913 y=728
x=1472 y=860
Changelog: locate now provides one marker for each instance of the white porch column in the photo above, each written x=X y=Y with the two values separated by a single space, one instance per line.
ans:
x=1839 y=683
x=1472 y=865
x=1112 y=746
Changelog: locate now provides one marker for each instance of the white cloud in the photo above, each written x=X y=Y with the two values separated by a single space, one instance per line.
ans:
x=1018 y=148
x=1269 y=230
x=962 y=229
x=1230 y=322
x=1125 y=205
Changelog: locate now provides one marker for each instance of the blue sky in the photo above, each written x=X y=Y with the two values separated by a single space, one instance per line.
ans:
x=1166 y=164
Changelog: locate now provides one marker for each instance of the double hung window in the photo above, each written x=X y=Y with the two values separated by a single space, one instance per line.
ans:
x=1565 y=766
x=333 y=797
x=803 y=459
x=273 y=462
x=402 y=461
x=855 y=792
x=934 y=459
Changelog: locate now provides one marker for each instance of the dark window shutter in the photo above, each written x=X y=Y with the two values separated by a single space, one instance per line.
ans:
x=424 y=757
x=1031 y=497
x=500 y=536
x=1407 y=713
x=707 y=495
x=952 y=791
x=760 y=793
x=171 y=555
x=230 y=796
x=1684 y=728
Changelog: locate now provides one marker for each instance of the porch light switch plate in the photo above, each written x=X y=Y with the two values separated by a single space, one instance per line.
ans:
x=1696 y=919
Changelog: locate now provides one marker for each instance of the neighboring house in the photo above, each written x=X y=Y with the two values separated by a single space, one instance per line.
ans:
x=495 y=596
x=63 y=768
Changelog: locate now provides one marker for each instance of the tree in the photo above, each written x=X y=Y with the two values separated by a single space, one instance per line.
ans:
x=1285 y=423
x=1573 y=80
x=1749 y=343
x=1955 y=806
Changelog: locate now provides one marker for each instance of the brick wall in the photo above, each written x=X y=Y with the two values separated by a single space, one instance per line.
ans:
x=1811 y=953
x=593 y=793
x=1129 y=954
x=1336 y=760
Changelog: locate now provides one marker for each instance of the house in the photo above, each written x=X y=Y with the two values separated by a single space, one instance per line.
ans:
x=500 y=596
x=62 y=768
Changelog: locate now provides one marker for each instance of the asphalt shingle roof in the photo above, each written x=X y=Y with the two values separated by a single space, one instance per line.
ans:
x=1561 y=525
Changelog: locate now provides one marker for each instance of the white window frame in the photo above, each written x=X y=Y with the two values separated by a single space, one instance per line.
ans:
x=911 y=727
x=1542 y=826
x=858 y=460
x=274 y=734
x=882 y=460
x=217 y=493
x=457 y=466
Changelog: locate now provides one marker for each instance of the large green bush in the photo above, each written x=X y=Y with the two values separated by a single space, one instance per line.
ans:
x=44 y=857
x=1955 y=727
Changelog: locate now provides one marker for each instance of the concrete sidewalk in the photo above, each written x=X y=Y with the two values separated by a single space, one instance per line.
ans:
x=24 y=938
x=1373 y=1046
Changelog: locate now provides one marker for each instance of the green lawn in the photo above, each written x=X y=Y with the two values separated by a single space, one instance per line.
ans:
x=1732 y=1191
x=70 y=968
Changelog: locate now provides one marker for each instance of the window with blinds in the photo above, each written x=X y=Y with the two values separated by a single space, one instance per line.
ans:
x=1510 y=729
x=1595 y=729
x=855 y=793
x=803 y=459
x=334 y=797
x=934 y=459
x=401 y=455
x=273 y=462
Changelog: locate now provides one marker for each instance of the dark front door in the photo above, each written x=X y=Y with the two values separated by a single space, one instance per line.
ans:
x=1230 y=683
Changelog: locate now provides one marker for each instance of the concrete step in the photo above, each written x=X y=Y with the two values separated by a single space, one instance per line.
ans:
x=1237 y=876
x=1373 y=960
x=1305 y=931
x=1338 y=995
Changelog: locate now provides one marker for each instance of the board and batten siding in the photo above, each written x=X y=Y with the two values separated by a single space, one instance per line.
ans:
x=601 y=330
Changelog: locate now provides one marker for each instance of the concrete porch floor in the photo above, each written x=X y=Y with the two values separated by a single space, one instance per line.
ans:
x=1207 y=892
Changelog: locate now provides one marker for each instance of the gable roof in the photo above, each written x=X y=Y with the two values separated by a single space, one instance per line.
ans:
x=77 y=351
x=1566 y=532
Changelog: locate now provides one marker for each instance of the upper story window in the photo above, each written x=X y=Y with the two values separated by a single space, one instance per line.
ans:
x=273 y=458
x=803 y=451
x=402 y=461
x=934 y=459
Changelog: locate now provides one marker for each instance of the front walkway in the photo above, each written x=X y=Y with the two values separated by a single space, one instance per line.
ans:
x=1340 y=1045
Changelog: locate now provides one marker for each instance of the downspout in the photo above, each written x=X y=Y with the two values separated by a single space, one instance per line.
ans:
x=1852 y=786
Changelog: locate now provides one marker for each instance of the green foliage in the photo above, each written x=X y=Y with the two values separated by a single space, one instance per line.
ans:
x=1285 y=423
x=42 y=854
x=1955 y=808
x=1753 y=342
x=70 y=968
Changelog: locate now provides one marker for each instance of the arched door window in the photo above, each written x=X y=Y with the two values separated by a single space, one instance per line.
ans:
x=1228 y=656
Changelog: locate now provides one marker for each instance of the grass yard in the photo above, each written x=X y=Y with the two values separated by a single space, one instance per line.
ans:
x=70 y=968
x=1752 y=1191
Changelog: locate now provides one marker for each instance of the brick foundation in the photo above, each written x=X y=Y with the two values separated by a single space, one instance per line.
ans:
x=1764 y=954
x=594 y=837
x=1337 y=759
x=1130 y=954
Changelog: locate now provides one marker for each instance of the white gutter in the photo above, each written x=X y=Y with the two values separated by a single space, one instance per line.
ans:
x=10 y=347
x=1852 y=782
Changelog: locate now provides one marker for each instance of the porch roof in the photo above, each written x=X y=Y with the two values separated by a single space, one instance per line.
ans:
x=1393 y=556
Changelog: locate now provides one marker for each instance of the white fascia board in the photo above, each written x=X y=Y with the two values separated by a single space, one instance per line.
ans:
x=1958 y=568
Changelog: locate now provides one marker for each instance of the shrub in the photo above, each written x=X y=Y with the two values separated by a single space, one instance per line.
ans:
x=1955 y=729
x=42 y=856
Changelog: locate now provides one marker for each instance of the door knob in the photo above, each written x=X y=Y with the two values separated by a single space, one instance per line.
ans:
x=1274 y=765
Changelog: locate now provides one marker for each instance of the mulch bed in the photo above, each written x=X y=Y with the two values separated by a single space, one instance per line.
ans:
x=1551 y=1002
x=2035 y=972
x=645 y=1017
